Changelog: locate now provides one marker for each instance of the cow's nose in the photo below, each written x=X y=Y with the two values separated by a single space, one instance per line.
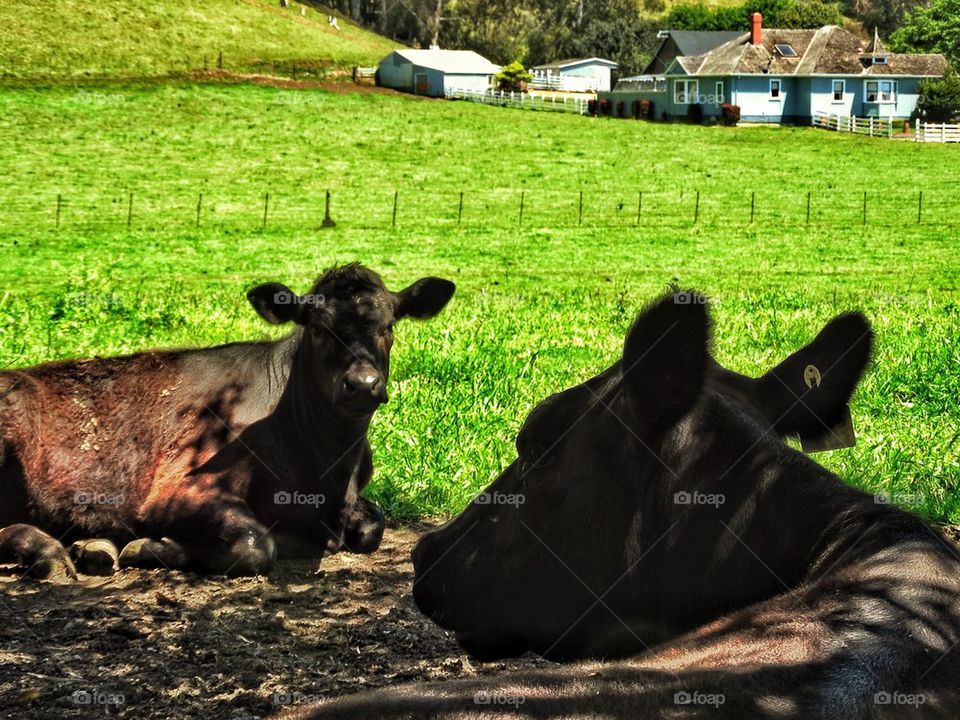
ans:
x=364 y=383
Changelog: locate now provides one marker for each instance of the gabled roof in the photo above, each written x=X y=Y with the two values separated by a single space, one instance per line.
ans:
x=457 y=62
x=685 y=42
x=563 y=64
x=831 y=50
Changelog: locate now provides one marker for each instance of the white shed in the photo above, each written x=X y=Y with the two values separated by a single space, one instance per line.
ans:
x=436 y=72
x=578 y=75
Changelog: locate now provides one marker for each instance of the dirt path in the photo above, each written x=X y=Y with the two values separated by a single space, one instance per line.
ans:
x=158 y=644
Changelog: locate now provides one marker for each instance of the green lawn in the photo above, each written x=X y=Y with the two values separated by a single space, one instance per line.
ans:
x=539 y=307
x=77 y=39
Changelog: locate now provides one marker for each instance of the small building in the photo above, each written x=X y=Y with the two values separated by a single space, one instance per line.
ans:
x=786 y=76
x=436 y=72
x=583 y=75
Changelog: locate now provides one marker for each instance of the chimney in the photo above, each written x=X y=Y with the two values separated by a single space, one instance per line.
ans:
x=756 y=32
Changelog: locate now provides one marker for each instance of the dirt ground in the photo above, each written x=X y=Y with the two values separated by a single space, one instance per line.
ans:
x=159 y=644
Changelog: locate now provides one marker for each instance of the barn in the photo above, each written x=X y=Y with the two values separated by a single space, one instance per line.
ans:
x=436 y=72
x=576 y=75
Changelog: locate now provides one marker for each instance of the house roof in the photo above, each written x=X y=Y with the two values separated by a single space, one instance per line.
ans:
x=562 y=64
x=831 y=50
x=697 y=42
x=456 y=62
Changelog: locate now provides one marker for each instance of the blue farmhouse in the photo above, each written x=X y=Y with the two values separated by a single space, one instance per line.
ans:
x=436 y=72
x=783 y=76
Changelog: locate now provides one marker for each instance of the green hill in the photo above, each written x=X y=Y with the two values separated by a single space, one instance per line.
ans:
x=64 y=39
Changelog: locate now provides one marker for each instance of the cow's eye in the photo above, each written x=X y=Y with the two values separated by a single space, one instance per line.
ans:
x=387 y=330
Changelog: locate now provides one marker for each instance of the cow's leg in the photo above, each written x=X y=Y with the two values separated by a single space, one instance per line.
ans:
x=218 y=533
x=38 y=554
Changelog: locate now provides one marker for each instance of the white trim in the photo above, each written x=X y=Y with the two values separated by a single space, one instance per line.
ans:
x=687 y=93
x=719 y=94
x=893 y=91
x=843 y=91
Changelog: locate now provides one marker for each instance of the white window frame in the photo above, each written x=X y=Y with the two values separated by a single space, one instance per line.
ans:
x=843 y=90
x=779 y=96
x=683 y=87
x=718 y=90
x=881 y=96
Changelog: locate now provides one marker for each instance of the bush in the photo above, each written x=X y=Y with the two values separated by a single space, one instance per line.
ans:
x=592 y=107
x=939 y=99
x=695 y=113
x=513 y=77
x=646 y=110
x=606 y=107
x=729 y=114
x=621 y=112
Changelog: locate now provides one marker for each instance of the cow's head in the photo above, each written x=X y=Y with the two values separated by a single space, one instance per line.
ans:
x=348 y=318
x=624 y=519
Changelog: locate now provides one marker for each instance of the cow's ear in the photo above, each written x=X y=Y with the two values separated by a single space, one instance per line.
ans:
x=425 y=298
x=807 y=394
x=275 y=303
x=665 y=360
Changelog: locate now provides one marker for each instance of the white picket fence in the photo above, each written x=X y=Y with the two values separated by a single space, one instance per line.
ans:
x=874 y=127
x=523 y=101
x=937 y=132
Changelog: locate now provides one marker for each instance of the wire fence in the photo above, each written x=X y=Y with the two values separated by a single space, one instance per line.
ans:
x=184 y=209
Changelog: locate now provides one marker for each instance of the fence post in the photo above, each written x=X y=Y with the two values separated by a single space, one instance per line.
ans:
x=522 y=194
x=327 y=219
x=199 y=206
x=943 y=132
x=864 y=207
x=460 y=210
x=59 y=203
x=266 y=204
x=753 y=204
x=396 y=194
x=871 y=127
x=130 y=211
x=639 y=205
x=580 y=210
x=696 y=209
x=808 y=207
x=220 y=60
x=920 y=207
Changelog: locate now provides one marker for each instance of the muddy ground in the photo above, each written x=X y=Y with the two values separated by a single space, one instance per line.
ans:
x=161 y=644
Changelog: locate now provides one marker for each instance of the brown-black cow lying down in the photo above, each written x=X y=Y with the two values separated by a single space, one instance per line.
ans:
x=212 y=457
x=665 y=521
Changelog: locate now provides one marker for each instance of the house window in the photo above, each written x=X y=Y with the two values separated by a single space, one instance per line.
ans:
x=881 y=91
x=685 y=92
x=839 y=88
x=719 y=90
x=774 y=89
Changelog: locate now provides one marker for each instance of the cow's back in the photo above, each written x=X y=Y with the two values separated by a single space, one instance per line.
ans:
x=84 y=441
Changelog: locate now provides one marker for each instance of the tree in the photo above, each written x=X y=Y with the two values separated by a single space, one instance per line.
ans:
x=513 y=76
x=940 y=99
x=931 y=28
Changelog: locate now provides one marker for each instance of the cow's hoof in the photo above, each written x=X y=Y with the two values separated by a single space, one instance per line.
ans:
x=150 y=554
x=38 y=554
x=250 y=555
x=95 y=557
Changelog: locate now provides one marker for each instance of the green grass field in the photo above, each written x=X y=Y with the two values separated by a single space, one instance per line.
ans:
x=539 y=307
x=59 y=40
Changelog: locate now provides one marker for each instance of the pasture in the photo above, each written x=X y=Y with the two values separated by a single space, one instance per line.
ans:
x=539 y=306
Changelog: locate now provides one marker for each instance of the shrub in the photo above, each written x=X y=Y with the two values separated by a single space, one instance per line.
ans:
x=620 y=109
x=646 y=110
x=939 y=99
x=695 y=113
x=592 y=107
x=606 y=107
x=729 y=114
x=513 y=77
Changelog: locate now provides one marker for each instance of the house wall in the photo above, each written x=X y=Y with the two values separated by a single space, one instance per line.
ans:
x=752 y=94
x=599 y=74
x=479 y=83
x=397 y=73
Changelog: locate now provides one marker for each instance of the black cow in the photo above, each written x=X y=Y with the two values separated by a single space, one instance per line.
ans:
x=655 y=513
x=210 y=458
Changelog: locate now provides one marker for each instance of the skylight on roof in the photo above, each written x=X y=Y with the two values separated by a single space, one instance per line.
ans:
x=785 y=50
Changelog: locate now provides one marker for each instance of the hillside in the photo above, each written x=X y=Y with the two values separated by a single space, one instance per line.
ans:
x=63 y=39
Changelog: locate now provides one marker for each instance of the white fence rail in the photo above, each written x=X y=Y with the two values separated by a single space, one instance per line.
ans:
x=523 y=101
x=873 y=127
x=937 y=132
x=567 y=83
